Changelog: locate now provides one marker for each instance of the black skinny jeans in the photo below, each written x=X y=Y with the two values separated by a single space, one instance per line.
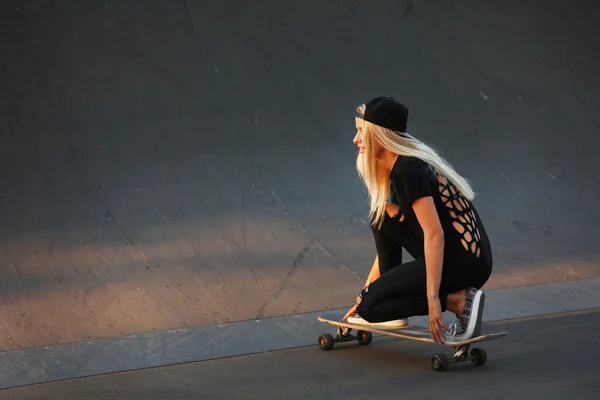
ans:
x=401 y=290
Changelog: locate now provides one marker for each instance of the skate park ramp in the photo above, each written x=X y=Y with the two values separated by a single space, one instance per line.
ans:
x=185 y=163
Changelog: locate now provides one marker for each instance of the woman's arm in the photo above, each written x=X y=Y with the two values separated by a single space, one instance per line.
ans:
x=434 y=258
x=392 y=210
x=375 y=273
x=434 y=242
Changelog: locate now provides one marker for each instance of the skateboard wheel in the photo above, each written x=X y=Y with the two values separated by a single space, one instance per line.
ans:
x=326 y=341
x=364 y=338
x=478 y=356
x=439 y=362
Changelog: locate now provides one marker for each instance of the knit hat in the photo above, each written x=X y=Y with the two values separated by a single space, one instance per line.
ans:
x=386 y=112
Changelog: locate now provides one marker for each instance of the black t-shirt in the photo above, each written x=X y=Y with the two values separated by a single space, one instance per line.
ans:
x=465 y=237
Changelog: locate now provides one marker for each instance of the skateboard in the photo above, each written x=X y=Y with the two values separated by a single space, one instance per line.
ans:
x=439 y=361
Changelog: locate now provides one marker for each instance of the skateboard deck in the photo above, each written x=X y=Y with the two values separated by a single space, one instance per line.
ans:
x=439 y=361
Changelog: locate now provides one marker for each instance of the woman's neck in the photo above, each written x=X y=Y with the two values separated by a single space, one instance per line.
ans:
x=388 y=159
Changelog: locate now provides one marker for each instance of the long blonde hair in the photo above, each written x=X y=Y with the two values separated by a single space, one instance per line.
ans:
x=376 y=177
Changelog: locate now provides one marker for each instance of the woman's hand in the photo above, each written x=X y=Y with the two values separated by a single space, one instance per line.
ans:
x=349 y=313
x=436 y=322
x=353 y=309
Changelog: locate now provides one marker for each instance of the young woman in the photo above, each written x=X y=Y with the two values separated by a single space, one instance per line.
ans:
x=430 y=214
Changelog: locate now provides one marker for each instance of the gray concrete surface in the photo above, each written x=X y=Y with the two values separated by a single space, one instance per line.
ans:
x=535 y=361
x=207 y=342
x=176 y=164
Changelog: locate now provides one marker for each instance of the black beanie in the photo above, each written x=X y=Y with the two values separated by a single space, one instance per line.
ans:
x=386 y=112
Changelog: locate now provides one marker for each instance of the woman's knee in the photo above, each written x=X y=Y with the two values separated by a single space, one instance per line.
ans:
x=366 y=303
x=363 y=302
x=364 y=311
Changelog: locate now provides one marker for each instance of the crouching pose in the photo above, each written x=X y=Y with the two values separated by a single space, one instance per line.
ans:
x=429 y=214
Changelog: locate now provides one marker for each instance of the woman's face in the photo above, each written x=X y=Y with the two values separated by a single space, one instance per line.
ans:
x=358 y=138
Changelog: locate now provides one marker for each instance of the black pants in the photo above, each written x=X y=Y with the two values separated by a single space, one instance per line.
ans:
x=401 y=290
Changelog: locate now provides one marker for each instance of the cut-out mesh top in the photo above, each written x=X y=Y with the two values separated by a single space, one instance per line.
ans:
x=461 y=212
x=411 y=179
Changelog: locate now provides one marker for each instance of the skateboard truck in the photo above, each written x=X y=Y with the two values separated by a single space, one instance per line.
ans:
x=477 y=356
x=440 y=361
x=326 y=340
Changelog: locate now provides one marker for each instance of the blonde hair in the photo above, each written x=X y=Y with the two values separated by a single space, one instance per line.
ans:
x=376 y=177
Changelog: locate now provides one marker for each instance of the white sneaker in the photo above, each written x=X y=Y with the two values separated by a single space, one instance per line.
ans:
x=394 y=324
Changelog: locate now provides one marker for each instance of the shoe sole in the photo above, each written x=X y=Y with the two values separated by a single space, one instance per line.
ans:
x=477 y=311
x=477 y=316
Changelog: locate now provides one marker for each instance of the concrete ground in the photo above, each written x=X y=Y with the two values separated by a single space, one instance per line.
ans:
x=183 y=163
x=553 y=357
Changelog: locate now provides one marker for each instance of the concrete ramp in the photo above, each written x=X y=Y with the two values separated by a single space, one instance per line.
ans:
x=176 y=164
